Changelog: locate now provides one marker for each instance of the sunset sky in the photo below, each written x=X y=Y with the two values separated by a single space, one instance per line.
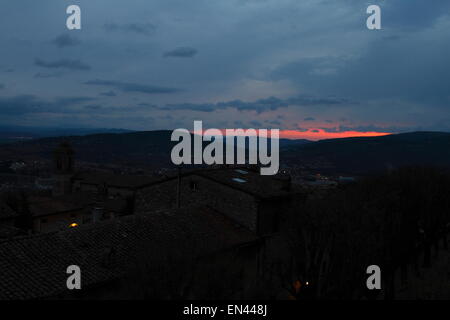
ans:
x=310 y=68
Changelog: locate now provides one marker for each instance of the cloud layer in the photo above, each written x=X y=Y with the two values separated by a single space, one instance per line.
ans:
x=132 y=87
x=65 y=40
x=296 y=65
x=62 y=64
x=182 y=52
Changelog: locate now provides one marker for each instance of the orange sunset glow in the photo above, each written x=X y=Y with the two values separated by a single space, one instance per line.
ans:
x=320 y=134
x=317 y=134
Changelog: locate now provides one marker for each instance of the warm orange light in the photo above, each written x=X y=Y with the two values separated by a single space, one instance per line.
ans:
x=297 y=285
x=74 y=225
x=321 y=134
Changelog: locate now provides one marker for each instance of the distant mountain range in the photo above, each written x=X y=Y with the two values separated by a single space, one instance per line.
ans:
x=347 y=155
x=9 y=134
x=131 y=148
x=364 y=155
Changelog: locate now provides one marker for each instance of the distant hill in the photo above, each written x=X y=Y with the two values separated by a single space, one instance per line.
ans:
x=293 y=142
x=133 y=148
x=364 y=155
x=348 y=155
x=10 y=134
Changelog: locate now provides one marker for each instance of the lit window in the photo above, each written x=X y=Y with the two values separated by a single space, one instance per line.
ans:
x=239 y=180
x=73 y=225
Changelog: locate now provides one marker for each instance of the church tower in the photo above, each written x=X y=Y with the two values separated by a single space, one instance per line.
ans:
x=63 y=157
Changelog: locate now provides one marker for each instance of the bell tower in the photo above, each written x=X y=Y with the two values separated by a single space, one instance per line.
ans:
x=63 y=157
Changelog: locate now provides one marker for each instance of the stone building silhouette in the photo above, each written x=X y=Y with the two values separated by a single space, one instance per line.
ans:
x=64 y=169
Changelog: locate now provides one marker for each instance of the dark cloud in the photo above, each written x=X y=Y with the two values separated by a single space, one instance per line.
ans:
x=19 y=105
x=296 y=126
x=133 y=87
x=310 y=69
x=62 y=64
x=308 y=100
x=94 y=107
x=205 y=107
x=99 y=109
x=261 y=105
x=147 y=105
x=309 y=119
x=381 y=73
x=413 y=14
x=45 y=75
x=68 y=101
x=139 y=28
x=256 y=124
x=182 y=52
x=24 y=104
x=65 y=40
x=108 y=94
x=275 y=123
x=239 y=124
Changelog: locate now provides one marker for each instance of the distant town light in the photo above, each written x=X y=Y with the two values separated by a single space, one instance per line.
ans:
x=74 y=225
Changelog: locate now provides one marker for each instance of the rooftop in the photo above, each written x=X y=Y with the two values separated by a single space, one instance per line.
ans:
x=6 y=212
x=251 y=182
x=8 y=232
x=44 y=206
x=35 y=266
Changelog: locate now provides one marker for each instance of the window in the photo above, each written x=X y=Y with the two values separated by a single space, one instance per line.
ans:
x=239 y=180
x=241 y=171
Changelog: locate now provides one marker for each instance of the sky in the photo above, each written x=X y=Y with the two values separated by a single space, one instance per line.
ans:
x=310 y=68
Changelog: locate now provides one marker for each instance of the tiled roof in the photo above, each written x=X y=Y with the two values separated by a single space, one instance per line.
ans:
x=35 y=266
x=6 y=212
x=116 y=205
x=44 y=206
x=250 y=181
x=8 y=232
